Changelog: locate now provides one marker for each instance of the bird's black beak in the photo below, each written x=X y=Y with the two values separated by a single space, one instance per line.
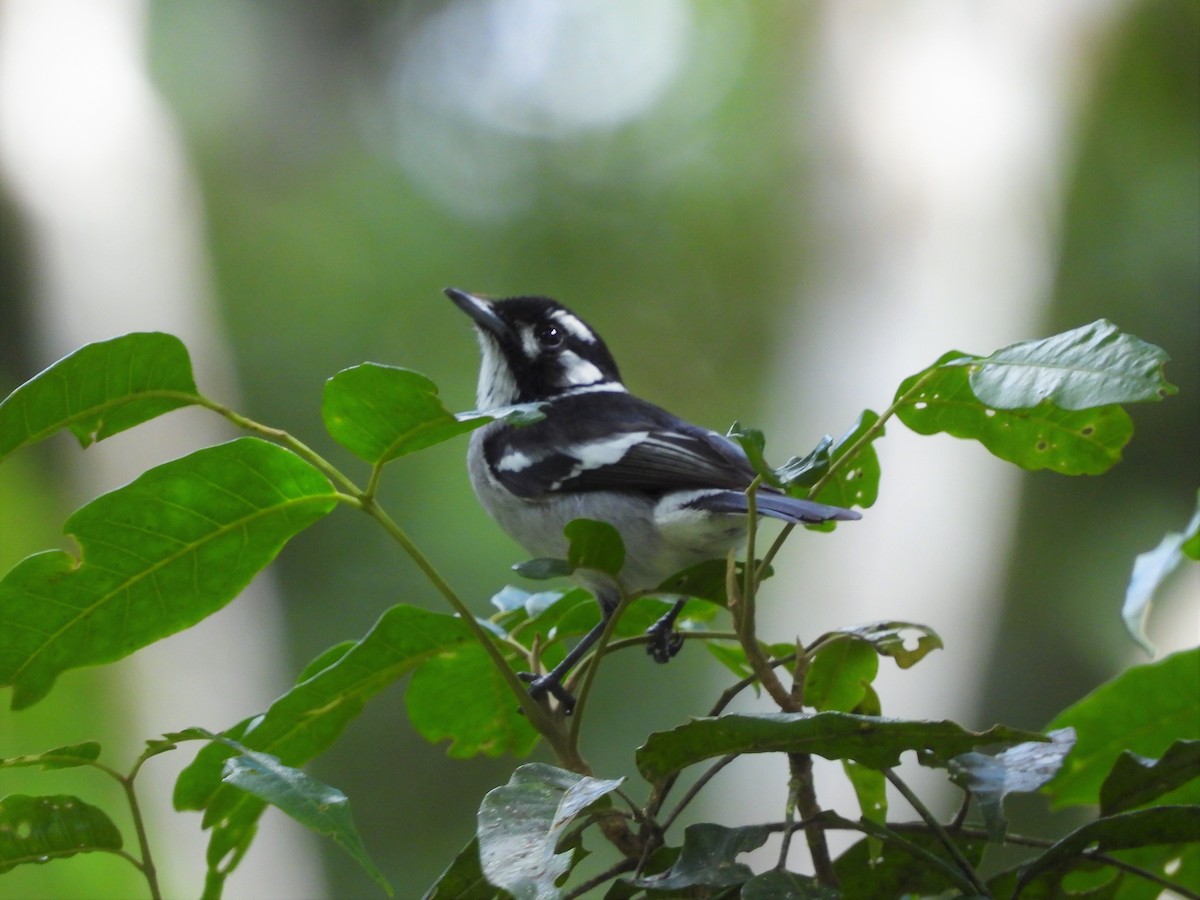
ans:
x=481 y=310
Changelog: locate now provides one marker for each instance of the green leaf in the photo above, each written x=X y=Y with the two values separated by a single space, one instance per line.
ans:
x=753 y=443
x=1135 y=781
x=59 y=758
x=1082 y=442
x=873 y=741
x=158 y=555
x=39 y=829
x=892 y=639
x=779 y=885
x=1144 y=709
x=307 y=720
x=463 y=879
x=594 y=545
x=709 y=859
x=100 y=390
x=1150 y=570
x=317 y=806
x=382 y=412
x=897 y=871
x=309 y=717
x=521 y=823
x=1091 y=366
x=707 y=581
x=459 y=695
x=543 y=568
x=838 y=675
x=856 y=479
x=805 y=471
x=1140 y=828
x=1023 y=768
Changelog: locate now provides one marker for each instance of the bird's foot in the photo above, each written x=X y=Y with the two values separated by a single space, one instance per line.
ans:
x=665 y=641
x=541 y=685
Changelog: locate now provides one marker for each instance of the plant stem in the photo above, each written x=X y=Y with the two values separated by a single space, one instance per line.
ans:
x=805 y=795
x=936 y=827
x=139 y=827
x=695 y=789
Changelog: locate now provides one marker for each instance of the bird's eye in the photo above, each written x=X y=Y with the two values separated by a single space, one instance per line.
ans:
x=549 y=336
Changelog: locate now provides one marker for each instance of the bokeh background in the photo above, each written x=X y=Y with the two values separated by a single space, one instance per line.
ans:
x=773 y=211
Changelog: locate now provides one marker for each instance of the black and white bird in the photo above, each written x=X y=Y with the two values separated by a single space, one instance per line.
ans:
x=674 y=491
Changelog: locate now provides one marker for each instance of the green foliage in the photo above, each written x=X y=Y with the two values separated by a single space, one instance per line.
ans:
x=183 y=539
x=39 y=829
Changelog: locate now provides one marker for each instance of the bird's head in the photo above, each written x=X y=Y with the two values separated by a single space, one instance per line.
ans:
x=534 y=348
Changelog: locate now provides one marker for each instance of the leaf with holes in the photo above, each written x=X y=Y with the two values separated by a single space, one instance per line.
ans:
x=1082 y=442
x=158 y=555
x=99 y=390
x=871 y=740
x=856 y=479
x=39 y=829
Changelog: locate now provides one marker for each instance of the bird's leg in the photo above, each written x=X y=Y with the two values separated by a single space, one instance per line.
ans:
x=551 y=682
x=665 y=641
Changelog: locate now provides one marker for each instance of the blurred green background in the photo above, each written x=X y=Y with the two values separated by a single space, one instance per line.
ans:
x=660 y=168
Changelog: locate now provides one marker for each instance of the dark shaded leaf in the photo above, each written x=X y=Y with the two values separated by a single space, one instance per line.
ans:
x=158 y=555
x=779 y=885
x=100 y=390
x=708 y=858
x=315 y=805
x=39 y=829
x=1023 y=768
x=380 y=413
x=1135 y=781
x=1144 y=710
x=897 y=871
x=463 y=879
x=1083 y=442
x=753 y=443
x=870 y=740
x=59 y=758
x=1150 y=570
x=1140 y=828
x=521 y=823
x=543 y=568
x=804 y=471
x=706 y=581
x=1087 y=367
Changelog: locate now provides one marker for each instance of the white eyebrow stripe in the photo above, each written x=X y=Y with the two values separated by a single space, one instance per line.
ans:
x=571 y=323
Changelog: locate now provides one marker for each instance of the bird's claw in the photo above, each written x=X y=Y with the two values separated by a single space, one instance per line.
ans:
x=665 y=641
x=541 y=685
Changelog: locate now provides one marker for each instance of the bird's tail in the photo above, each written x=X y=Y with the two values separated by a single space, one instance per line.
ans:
x=777 y=506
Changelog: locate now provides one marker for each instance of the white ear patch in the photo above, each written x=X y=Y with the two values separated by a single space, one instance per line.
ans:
x=578 y=371
x=573 y=326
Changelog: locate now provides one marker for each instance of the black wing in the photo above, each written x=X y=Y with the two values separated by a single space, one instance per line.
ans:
x=608 y=439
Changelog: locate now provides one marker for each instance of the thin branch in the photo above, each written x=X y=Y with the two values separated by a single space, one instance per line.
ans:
x=695 y=789
x=937 y=828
